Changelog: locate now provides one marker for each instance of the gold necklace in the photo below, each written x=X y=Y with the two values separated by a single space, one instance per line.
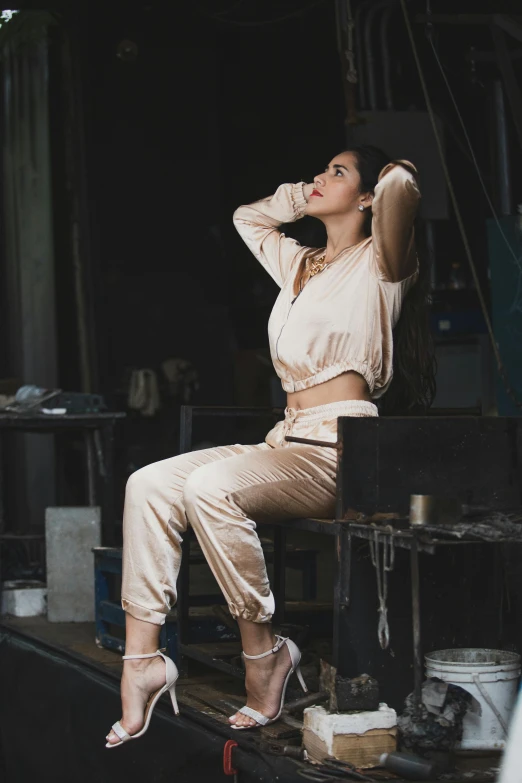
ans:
x=317 y=265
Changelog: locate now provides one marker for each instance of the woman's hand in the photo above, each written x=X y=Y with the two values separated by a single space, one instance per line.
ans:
x=405 y=165
x=307 y=190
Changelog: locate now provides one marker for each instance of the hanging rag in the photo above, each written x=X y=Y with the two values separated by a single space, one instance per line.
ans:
x=144 y=392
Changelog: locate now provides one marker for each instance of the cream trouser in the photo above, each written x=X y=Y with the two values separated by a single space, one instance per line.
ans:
x=220 y=492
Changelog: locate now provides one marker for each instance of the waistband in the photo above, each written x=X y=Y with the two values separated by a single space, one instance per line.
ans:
x=332 y=410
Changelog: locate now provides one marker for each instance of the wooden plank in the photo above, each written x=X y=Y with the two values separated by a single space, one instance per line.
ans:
x=221 y=649
x=188 y=700
x=327 y=526
x=223 y=705
x=195 y=652
x=210 y=701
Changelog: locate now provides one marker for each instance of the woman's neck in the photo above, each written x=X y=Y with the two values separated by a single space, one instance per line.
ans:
x=342 y=235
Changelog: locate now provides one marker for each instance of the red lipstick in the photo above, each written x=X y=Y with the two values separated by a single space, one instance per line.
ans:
x=316 y=193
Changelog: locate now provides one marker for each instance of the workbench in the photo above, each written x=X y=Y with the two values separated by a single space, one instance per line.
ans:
x=97 y=430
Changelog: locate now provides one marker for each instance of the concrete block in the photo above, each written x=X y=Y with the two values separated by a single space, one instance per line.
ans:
x=70 y=535
x=24 y=598
x=358 y=737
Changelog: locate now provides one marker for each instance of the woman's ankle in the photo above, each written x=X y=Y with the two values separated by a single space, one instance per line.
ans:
x=138 y=663
x=141 y=638
x=256 y=638
x=259 y=649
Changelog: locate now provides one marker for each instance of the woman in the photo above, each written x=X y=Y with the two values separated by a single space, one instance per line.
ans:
x=331 y=339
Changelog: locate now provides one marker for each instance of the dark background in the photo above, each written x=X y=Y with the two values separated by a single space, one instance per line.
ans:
x=218 y=104
x=209 y=115
x=216 y=109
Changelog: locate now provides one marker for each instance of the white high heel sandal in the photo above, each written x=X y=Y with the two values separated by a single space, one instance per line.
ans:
x=171 y=676
x=295 y=657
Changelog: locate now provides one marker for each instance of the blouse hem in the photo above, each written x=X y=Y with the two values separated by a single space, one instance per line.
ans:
x=331 y=372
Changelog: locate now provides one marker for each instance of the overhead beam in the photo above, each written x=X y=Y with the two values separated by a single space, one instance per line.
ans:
x=470 y=19
x=510 y=24
x=490 y=57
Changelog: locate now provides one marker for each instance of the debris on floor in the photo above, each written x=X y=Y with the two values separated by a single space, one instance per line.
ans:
x=436 y=724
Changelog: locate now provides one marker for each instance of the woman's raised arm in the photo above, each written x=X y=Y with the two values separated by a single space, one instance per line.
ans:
x=258 y=224
x=394 y=208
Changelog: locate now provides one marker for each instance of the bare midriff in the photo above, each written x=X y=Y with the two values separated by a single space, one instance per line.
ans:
x=347 y=386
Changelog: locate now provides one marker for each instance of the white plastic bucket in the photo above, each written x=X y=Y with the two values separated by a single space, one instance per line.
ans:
x=491 y=676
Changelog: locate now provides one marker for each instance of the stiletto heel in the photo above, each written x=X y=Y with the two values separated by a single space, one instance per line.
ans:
x=171 y=675
x=295 y=658
x=172 y=691
x=301 y=679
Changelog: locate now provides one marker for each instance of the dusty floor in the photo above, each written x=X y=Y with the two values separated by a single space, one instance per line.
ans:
x=217 y=694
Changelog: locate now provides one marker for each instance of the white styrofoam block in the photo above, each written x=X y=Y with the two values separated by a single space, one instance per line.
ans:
x=327 y=725
x=23 y=598
x=70 y=535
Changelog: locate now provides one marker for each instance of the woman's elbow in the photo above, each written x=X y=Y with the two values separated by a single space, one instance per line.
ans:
x=240 y=215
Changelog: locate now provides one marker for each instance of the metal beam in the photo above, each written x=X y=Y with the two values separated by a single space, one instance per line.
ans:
x=510 y=24
x=454 y=18
x=510 y=80
x=489 y=57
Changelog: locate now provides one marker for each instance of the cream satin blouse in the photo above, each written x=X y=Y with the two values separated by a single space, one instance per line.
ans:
x=344 y=317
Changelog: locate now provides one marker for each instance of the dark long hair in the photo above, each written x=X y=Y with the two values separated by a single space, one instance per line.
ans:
x=413 y=386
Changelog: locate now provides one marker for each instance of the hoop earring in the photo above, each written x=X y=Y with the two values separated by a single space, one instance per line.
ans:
x=361 y=208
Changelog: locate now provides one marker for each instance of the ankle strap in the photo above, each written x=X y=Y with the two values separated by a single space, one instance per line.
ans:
x=276 y=648
x=145 y=655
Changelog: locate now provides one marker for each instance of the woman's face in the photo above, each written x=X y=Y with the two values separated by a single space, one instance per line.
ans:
x=337 y=189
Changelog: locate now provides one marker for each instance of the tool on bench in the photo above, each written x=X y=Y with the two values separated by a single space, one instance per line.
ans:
x=388 y=564
x=333 y=769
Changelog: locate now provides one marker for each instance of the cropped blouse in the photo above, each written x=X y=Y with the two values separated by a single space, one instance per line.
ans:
x=344 y=317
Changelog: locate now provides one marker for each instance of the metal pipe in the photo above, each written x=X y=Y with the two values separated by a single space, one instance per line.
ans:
x=415 y=606
x=298 y=705
x=338 y=26
x=385 y=50
x=368 y=50
x=503 y=173
x=370 y=60
x=89 y=453
x=345 y=44
x=359 y=55
x=429 y=226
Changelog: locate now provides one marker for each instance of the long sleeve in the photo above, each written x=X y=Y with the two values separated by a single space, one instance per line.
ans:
x=394 y=208
x=258 y=225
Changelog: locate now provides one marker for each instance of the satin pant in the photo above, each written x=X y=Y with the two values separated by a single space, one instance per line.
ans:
x=221 y=492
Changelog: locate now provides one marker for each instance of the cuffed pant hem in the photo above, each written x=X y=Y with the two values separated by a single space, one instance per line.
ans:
x=141 y=613
x=252 y=615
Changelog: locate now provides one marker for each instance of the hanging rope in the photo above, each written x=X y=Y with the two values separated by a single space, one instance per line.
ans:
x=500 y=366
